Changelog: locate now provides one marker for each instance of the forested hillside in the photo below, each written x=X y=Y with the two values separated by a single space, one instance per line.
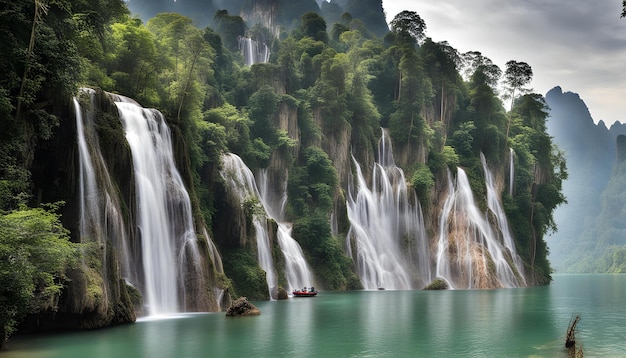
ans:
x=311 y=118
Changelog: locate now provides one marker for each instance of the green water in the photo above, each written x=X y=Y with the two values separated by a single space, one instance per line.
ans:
x=524 y=322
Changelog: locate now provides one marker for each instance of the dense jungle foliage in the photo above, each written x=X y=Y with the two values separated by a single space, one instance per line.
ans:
x=428 y=94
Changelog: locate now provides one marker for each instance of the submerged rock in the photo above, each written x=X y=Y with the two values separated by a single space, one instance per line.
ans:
x=241 y=307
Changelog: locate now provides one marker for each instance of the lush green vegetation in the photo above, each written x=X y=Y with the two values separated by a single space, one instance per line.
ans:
x=342 y=80
x=35 y=251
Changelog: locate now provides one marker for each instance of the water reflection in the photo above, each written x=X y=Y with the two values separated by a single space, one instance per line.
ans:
x=521 y=322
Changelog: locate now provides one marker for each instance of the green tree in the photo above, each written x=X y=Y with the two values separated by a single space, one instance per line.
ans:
x=409 y=25
x=474 y=61
x=34 y=254
x=263 y=104
x=230 y=28
x=441 y=61
x=516 y=76
x=540 y=172
x=134 y=62
x=40 y=68
x=314 y=26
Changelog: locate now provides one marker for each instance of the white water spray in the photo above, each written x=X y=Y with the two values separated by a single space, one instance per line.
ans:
x=384 y=221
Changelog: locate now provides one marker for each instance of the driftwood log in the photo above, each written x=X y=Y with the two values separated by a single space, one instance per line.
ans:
x=570 y=339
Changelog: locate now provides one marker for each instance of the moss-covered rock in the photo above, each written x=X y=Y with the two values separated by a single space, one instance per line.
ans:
x=437 y=284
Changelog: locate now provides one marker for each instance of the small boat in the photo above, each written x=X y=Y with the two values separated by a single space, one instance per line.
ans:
x=305 y=292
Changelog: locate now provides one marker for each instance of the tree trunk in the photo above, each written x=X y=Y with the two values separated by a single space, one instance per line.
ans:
x=40 y=6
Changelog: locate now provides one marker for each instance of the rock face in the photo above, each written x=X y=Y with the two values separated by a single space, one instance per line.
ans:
x=241 y=307
x=590 y=151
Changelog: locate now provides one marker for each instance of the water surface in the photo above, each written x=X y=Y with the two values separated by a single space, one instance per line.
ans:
x=518 y=322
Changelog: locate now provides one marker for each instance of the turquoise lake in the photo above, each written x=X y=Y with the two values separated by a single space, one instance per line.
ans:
x=520 y=322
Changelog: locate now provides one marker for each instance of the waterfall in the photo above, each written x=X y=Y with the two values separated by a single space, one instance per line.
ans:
x=511 y=170
x=384 y=220
x=297 y=270
x=101 y=220
x=241 y=184
x=253 y=51
x=468 y=248
x=169 y=250
x=494 y=205
x=442 y=263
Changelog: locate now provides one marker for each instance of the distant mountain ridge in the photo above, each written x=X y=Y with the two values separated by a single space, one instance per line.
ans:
x=275 y=12
x=590 y=151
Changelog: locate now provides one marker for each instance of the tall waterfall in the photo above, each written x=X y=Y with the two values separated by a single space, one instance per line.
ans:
x=240 y=181
x=101 y=219
x=297 y=270
x=170 y=254
x=468 y=247
x=494 y=205
x=387 y=238
x=253 y=51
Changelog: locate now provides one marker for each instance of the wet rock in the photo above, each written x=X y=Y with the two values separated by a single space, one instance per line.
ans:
x=241 y=307
x=282 y=294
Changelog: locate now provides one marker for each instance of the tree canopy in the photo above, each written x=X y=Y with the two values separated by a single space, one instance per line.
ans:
x=409 y=23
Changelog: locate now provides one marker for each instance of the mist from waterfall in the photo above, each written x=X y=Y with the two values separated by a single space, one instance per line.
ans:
x=468 y=248
x=169 y=250
x=387 y=239
x=253 y=51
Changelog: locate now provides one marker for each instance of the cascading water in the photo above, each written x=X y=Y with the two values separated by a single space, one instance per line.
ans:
x=253 y=51
x=169 y=250
x=494 y=205
x=240 y=181
x=384 y=221
x=297 y=270
x=511 y=170
x=468 y=247
x=101 y=218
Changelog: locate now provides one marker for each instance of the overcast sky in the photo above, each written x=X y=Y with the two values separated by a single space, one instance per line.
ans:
x=579 y=45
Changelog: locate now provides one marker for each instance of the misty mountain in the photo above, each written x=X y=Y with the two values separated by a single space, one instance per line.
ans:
x=590 y=151
x=268 y=12
x=603 y=245
x=200 y=11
